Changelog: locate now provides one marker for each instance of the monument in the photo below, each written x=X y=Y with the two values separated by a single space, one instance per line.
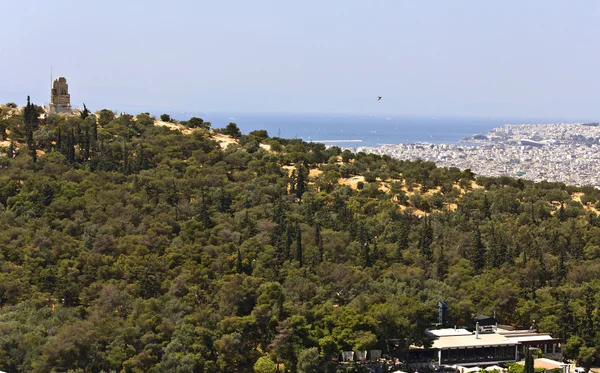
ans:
x=60 y=99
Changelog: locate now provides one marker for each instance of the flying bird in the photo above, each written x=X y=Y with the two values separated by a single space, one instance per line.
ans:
x=378 y=98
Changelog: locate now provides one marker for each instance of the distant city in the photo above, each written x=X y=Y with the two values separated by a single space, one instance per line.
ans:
x=560 y=152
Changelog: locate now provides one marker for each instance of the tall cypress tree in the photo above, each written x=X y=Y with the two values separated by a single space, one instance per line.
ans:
x=562 y=216
x=477 y=251
x=485 y=208
x=85 y=113
x=125 y=158
x=426 y=239
x=30 y=123
x=86 y=145
x=319 y=241
x=365 y=249
x=301 y=182
x=529 y=368
x=240 y=262
x=402 y=243
x=497 y=251
x=441 y=263
x=204 y=215
x=71 y=146
x=299 y=245
x=59 y=145
x=94 y=134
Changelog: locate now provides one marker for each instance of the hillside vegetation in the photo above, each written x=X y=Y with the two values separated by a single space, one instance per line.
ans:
x=129 y=246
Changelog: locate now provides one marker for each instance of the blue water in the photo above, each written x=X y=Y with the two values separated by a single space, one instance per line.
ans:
x=371 y=130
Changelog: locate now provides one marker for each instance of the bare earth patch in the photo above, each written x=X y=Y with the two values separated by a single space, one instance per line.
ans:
x=224 y=140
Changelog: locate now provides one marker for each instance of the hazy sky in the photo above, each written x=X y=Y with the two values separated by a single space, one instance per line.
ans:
x=498 y=58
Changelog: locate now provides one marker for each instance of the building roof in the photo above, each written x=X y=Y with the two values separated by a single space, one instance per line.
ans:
x=547 y=364
x=531 y=338
x=470 y=340
x=447 y=332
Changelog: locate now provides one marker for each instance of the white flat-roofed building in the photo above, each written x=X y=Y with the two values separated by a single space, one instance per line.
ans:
x=530 y=338
x=488 y=345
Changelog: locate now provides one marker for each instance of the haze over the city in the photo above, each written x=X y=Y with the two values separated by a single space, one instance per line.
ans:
x=479 y=58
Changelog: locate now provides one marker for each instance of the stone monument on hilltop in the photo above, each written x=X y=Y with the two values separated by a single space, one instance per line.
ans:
x=60 y=99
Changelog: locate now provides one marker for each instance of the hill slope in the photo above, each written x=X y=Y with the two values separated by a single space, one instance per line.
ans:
x=133 y=247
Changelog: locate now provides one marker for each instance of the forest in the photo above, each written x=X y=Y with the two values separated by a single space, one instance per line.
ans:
x=131 y=244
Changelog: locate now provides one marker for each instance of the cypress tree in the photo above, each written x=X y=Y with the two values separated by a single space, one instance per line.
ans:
x=86 y=145
x=94 y=135
x=85 y=113
x=71 y=146
x=288 y=241
x=293 y=182
x=204 y=215
x=485 y=208
x=403 y=236
x=30 y=123
x=299 y=245
x=365 y=249
x=497 y=251
x=441 y=263
x=11 y=149
x=477 y=251
x=239 y=263
x=366 y=255
x=561 y=213
x=300 y=183
x=529 y=368
x=125 y=158
x=426 y=239
x=319 y=241
x=59 y=144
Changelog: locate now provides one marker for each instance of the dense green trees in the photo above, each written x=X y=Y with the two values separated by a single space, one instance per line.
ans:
x=132 y=247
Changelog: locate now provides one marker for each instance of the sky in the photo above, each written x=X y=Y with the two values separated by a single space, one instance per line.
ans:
x=456 y=58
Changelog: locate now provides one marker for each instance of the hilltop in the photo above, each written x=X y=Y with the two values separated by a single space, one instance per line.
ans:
x=136 y=244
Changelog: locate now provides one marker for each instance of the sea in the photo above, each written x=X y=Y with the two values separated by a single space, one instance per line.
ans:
x=359 y=130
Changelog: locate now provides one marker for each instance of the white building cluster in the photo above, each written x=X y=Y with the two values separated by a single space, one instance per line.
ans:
x=568 y=153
